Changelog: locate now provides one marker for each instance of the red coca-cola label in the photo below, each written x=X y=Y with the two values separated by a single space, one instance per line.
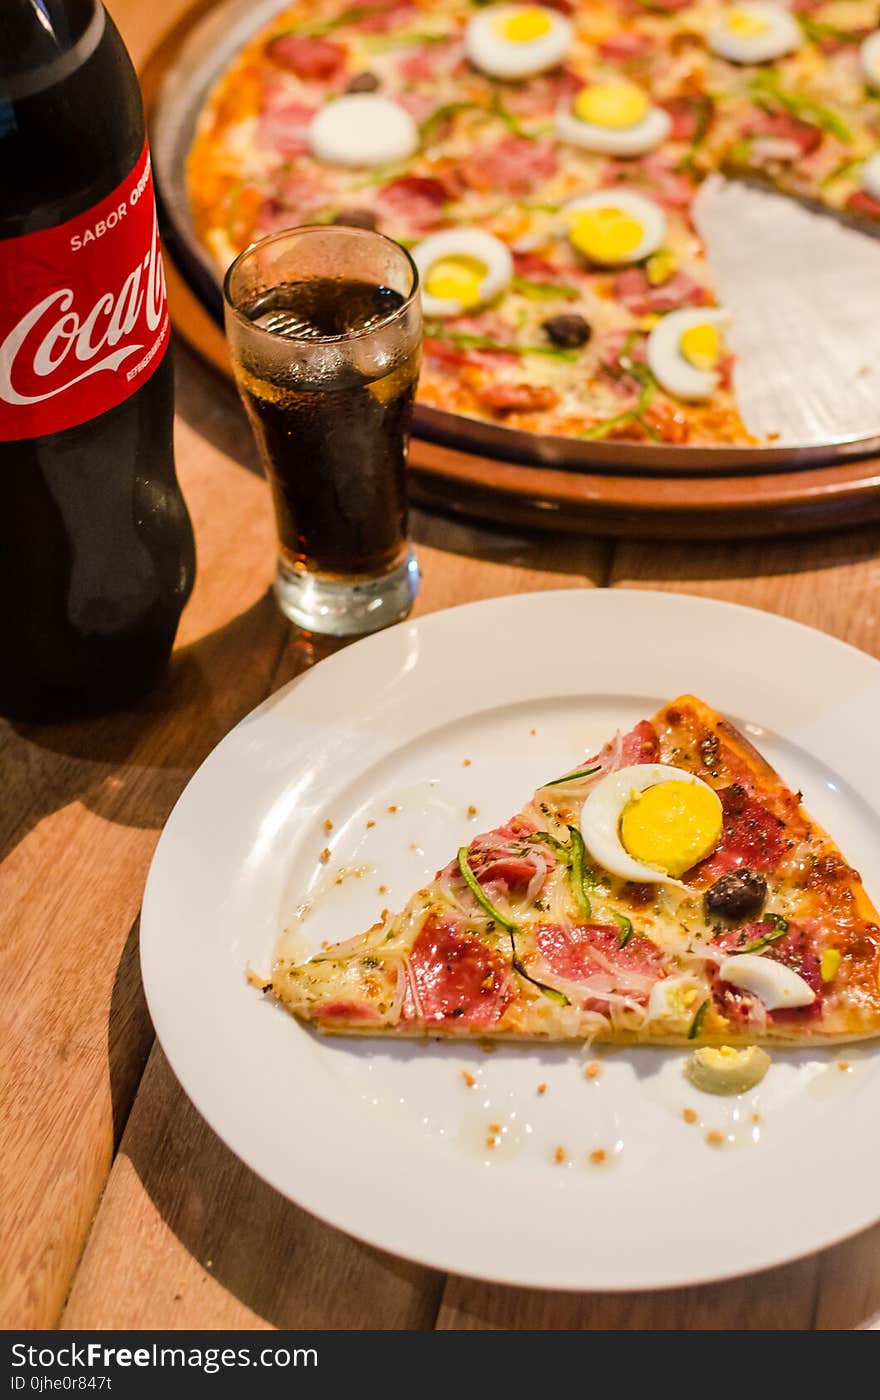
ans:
x=83 y=312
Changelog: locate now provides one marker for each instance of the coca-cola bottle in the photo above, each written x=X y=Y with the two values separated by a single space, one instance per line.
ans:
x=96 y=547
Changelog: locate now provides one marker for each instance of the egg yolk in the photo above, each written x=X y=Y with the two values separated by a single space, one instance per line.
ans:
x=614 y=104
x=527 y=24
x=745 y=25
x=457 y=278
x=605 y=234
x=671 y=826
x=829 y=964
x=701 y=345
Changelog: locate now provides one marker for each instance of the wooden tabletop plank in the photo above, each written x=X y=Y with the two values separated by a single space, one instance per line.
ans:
x=187 y=1237
x=83 y=806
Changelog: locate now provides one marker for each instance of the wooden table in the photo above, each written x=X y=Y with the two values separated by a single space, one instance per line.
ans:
x=119 y=1207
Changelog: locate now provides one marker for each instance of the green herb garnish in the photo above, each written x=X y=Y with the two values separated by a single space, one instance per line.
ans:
x=633 y=415
x=543 y=838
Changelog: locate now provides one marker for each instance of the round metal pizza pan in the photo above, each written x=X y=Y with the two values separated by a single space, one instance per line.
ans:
x=798 y=369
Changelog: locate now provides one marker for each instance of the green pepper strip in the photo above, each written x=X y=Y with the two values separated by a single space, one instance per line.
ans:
x=485 y=342
x=766 y=87
x=475 y=888
x=570 y=777
x=543 y=838
x=432 y=124
x=634 y=415
x=544 y=291
x=697 y=1022
x=580 y=879
x=552 y=992
x=779 y=931
x=473 y=885
x=626 y=928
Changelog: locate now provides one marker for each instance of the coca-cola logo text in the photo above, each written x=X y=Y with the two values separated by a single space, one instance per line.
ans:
x=53 y=334
x=82 y=322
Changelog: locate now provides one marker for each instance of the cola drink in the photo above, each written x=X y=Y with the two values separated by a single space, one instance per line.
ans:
x=96 y=546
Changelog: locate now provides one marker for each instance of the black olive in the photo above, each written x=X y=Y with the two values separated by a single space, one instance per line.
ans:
x=362 y=82
x=357 y=218
x=569 y=331
x=737 y=895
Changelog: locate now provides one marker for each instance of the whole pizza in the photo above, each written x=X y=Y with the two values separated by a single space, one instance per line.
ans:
x=541 y=162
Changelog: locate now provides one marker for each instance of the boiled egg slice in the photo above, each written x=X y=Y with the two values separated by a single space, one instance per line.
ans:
x=362 y=128
x=685 y=349
x=514 y=41
x=613 y=117
x=754 y=33
x=461 y=269
x=871 y=176
x=675 y=1001
x=773 y=983
x=615 y=226
x=650 y=822
x=870 y=57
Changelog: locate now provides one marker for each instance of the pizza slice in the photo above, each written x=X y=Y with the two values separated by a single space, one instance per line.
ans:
x=669 y=890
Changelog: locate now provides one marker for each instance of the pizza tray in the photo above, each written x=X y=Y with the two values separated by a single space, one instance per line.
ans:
x=805 y=292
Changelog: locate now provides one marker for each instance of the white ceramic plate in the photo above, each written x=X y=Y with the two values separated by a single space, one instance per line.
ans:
x=387 y=1141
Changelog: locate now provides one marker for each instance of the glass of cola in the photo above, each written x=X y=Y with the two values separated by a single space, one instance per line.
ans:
x=324 y=326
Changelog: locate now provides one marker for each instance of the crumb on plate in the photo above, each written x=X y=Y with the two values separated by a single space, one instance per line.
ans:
x=370 y=823
x=843 y=1065
x=714 y=1138
x=393 y=807
x=472 y=811
x=465 y=763
x=592 y=1070
x=689 y=1115
x=542 y=1088
x=560 y=1156
x=598 y=1157
x=325 y=854
x=468 y=1078
x=328 y=825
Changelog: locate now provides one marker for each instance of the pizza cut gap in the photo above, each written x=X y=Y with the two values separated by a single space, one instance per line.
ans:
x=670 y=889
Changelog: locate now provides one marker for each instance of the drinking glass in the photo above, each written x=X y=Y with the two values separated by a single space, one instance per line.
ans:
x=324 y=325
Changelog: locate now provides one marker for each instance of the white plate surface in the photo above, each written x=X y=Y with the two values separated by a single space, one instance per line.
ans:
x=387 y=1141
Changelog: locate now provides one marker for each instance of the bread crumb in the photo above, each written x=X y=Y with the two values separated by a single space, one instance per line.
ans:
x=592 y=1070
x=491 y=1142
x=560 y=1156
x=383 y=889
x=468 y=1078
x=542 y=1088
x=843 y=1065
x=394 y=807
x=689 y=1115
x=370 y=823
x=598 y=1157
x=487 y=1047
x=756 y=1117
x=495 y=1128
x=325 y=854
x=715 y=1139
x=533 y=731
x=472 y=811
x=328 y=825
x=465 y=763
